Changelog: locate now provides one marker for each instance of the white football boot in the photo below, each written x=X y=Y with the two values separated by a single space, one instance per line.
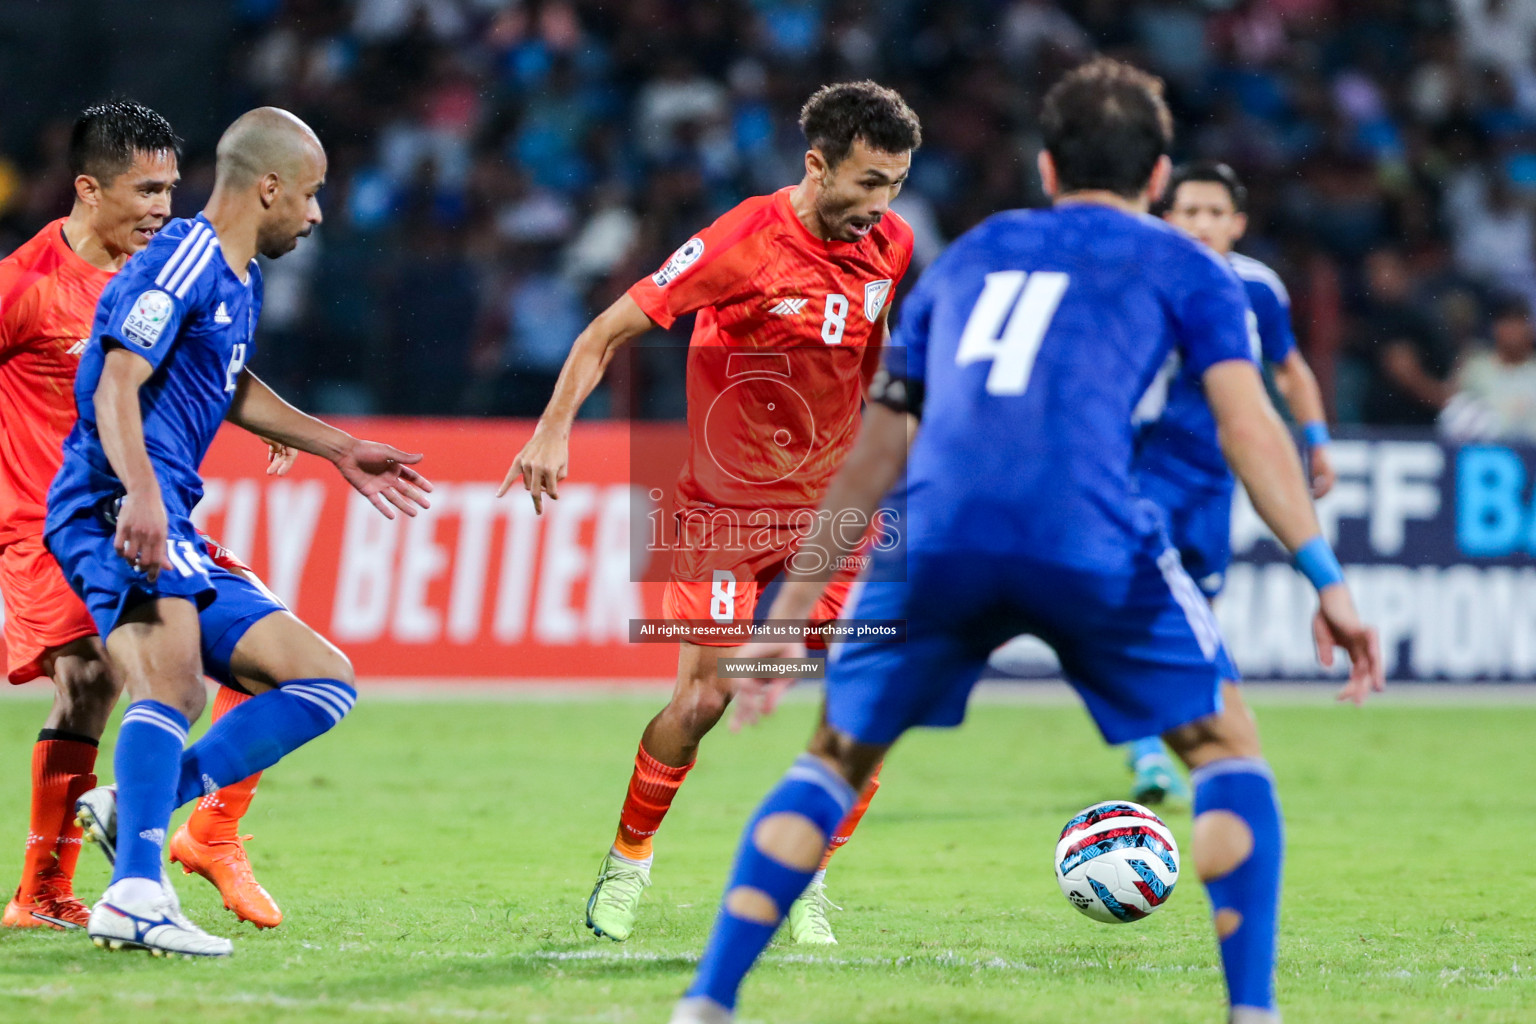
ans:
x=96 y=814
x=701 y=1010
x=156 y=924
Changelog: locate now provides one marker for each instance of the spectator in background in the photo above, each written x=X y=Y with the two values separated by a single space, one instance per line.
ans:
x=1496 y=388
x=1499 y=32
x=1496 y=237
x=534 y=315
x=602 y=131
x=433 y=293
x=1409 y=364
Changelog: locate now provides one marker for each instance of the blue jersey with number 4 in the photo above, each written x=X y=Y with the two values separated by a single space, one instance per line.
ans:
x=1179 y=443
x=1034 y=336
x=180 y=306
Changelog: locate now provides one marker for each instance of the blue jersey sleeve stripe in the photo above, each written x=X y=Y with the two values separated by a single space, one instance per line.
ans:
x=189 y=261
x=194 y=260
x=1250 y=269
x=186 y=285
x=169 y=266
x=189 y=243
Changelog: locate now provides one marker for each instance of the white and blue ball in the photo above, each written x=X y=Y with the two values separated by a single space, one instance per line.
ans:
x=1117 y=862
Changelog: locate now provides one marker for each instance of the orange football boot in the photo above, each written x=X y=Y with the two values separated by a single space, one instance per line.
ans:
x=224 y=864
x=54 y=907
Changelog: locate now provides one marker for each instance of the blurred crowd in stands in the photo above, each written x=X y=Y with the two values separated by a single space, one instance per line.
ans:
x=503 y=169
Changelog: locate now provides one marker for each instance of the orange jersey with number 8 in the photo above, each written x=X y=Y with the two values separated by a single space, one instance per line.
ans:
x=788 y=333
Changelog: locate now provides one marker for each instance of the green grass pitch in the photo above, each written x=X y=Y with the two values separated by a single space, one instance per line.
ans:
x=434 y=859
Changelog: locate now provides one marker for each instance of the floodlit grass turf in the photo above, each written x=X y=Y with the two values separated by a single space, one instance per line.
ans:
x=434 y=860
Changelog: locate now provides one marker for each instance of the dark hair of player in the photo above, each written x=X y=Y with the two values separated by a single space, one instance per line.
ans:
x=1212 y=173
x=107 y=136
x=1106 y=125
x=835 y=115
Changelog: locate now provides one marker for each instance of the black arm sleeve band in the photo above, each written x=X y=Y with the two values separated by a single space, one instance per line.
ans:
x=896 y=394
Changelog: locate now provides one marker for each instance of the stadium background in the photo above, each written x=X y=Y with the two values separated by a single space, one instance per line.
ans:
x=501 y=170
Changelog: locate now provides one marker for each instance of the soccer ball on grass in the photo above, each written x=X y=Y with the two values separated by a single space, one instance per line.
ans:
x=1116 y=862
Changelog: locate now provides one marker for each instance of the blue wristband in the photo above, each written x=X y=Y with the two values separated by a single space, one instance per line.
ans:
x=1316 y=561
x=1316 y=433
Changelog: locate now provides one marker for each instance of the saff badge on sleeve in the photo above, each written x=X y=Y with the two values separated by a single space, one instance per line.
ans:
x=146 y=321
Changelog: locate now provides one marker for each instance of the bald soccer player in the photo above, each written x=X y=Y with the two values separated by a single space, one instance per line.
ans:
x=165 y=365
x=123 y=156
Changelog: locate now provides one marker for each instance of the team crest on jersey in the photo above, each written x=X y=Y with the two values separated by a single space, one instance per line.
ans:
x=875 y=294
x=146 y=321
x=686 y=256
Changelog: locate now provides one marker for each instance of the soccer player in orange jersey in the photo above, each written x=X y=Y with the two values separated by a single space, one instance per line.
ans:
x=792 y=292
x=124 y=159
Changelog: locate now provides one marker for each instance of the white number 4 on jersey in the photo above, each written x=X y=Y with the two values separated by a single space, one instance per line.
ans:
x=1008 y=323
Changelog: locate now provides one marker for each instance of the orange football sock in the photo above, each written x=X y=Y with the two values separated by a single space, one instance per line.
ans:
x=216 y=818
x=651 y=789
x=851 y=820
x=62 y=765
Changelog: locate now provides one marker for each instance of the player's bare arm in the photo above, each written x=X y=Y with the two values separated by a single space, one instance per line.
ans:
x=379 y=472
x=1298 y=386
x=141 y=521
x=1259 y=449
x=874 y=353
x=873 y=467
x=544 y=460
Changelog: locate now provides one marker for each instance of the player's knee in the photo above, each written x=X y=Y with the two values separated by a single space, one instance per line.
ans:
x=191 y=701
x=855 y=762
x=324 y=662
x=339 y=668
x=1223 y=842
x=790 y=839
x=698 y=707
x=86 y=685
x=1231 y=733
x=751 y=904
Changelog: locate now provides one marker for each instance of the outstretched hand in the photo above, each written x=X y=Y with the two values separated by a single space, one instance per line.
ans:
x=1338 y=625
x=384 y=476
x=1323 y=475
x=755 y=699
x=280 y=457
x=542 y=464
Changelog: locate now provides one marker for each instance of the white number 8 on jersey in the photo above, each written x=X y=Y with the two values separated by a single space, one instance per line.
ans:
x=836 y=319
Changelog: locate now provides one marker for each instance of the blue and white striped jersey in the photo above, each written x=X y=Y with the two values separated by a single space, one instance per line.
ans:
x=180 y=306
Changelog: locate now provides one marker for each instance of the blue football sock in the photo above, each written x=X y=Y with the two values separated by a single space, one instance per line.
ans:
x=258 y=733
x=1152 y=746
x=149 y=749
x=809 y=788
x=1244 y=787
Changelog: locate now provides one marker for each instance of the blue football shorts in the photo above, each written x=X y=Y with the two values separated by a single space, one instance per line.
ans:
x=228 y=603
x=1199 y=521
x=1141 y=648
